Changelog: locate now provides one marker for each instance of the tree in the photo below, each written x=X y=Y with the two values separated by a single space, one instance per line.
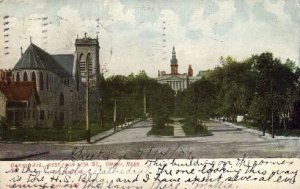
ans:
x=275 y=89
x=234 y=83
x=129 y=92
x=162 y=99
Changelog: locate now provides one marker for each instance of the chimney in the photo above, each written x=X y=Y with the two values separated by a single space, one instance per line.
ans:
x=190 y=71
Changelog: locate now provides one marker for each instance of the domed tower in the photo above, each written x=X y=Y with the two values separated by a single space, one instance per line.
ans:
x=174 y=65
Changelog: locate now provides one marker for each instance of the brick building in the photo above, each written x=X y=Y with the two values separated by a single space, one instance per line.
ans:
x=19 y=103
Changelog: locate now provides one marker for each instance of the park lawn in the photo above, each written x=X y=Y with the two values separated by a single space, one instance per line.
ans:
x=190 y=131
x=78 y=132
x=277 y=132
x=287 y=132
x=164 y=131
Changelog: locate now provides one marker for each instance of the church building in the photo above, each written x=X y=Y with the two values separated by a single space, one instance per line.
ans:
x=177 y=81
x=60 y=82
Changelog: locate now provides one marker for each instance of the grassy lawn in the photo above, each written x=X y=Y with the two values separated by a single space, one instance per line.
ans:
x=165 y=131
x=294 y=132
x=190 y=131
x=67 y=133
x=277 y=132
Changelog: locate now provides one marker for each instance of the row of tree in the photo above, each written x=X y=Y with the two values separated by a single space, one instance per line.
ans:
x=262 y=88
x=135 y=94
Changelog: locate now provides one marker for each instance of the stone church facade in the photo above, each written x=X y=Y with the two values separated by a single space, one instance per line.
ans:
x=61 y=82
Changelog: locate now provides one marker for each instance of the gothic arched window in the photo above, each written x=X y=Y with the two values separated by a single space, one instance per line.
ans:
x=33 y=77
x=18 y=76
x=47 y=81
x=82 y=64
x=61 y=99
x=41 y=81
x=25 y=77
x=90 y=63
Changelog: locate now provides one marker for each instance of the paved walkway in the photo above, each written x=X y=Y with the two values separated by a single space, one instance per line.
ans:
x=110 y=132
x=178 y=131
x=135 y=133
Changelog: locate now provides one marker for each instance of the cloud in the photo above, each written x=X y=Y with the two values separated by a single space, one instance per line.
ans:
x=117 y=12
x=33 y=3
x=207 y=23
x=133 y=39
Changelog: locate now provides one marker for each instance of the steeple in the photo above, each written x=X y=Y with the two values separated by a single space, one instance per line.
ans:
x=173 y=60
x=173 y=53
x=174 y=65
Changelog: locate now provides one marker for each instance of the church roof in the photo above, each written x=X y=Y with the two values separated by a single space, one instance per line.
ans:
x=36 y=58
x=66 y=61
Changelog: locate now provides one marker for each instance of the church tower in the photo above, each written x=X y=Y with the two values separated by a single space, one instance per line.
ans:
x=174 y=65
x=87 y=53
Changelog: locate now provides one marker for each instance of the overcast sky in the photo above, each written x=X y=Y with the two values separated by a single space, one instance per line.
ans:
x=139 y=34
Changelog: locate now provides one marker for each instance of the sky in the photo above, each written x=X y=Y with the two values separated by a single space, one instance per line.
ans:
x=139 y=35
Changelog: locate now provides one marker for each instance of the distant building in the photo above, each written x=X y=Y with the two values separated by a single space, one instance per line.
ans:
x=19 y=103
x=177 y=81
x=60 y=81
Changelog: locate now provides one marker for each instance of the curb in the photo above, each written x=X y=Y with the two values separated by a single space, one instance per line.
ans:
x=23 y=157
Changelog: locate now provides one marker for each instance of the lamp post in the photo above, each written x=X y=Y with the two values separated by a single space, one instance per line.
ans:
x=272 y=110
x=144 y=101
x=71 y=117
x=101 y=112
x=88 y=131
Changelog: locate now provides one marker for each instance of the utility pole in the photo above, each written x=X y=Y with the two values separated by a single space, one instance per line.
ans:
x=101 y=113
x=115 y=114
x=72 y=114
x=145 y=101
x=272 y=110
x=87 y=100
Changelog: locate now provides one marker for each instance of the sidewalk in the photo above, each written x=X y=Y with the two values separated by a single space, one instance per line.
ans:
x=108 y=133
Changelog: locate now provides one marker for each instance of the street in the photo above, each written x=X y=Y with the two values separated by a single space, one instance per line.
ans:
x=226 y=141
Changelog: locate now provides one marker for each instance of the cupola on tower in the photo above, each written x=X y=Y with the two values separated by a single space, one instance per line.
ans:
x=174 y=65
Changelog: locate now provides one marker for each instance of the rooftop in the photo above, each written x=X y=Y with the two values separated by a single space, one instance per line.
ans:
x=66 y=61
x=18 y=91
x=36 y=58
